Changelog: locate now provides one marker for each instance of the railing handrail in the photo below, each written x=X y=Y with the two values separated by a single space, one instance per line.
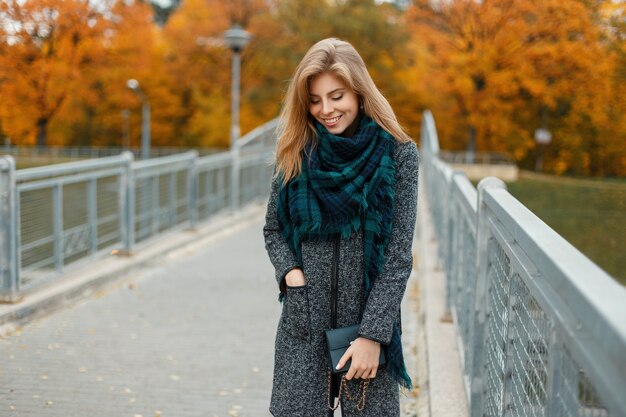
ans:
x=257 y=133
x=66 y=168
x=62 y=214
x=585 y=306
x=170 y=159
x=429 y=137
x=569 y=280
x=479 y=157
x=96 y=151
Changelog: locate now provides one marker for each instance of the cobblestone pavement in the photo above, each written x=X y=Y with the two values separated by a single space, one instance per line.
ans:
x=192 y=335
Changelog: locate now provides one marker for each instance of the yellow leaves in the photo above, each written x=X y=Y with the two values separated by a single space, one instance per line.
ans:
x=494 y=65
x=52 y=40
x=491 y=65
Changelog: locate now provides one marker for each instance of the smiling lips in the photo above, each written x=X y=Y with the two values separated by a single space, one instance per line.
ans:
x=331 y=122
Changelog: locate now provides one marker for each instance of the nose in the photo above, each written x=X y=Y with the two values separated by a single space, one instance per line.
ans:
x=327 y=107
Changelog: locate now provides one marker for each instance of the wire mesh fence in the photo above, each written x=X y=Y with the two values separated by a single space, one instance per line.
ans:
x=541 y=327
x=60 y=215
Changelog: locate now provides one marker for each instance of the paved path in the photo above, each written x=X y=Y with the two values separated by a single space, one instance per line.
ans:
x=191 y=336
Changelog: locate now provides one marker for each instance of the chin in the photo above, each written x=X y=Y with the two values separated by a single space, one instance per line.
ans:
x=335 y=130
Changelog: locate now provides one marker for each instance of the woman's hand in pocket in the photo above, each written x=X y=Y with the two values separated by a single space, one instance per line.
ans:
x=295 y=278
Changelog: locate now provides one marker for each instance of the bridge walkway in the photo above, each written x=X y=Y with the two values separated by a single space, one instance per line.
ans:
x=190 y=334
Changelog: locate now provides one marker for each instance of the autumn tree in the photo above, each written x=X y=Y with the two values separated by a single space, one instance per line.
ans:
x=499 y=69
x=287 y=30
x=132 y=47
x=198 y=63
x=608 y=156
x=45 y=46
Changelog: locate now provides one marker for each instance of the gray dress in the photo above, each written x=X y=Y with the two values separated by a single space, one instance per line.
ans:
x=301 y=361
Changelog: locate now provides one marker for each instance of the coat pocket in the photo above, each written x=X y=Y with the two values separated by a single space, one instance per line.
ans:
x=297 y=312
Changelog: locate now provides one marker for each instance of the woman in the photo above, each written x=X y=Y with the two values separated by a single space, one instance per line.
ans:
x=339 y=228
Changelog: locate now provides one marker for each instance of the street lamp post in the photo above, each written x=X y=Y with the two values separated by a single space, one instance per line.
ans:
x=236 y=39
x=145 y=118
x=543 y=137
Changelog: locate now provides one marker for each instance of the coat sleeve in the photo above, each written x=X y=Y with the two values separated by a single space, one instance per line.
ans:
x=383 y=303
x=283 y=259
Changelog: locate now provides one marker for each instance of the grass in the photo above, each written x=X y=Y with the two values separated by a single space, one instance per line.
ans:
x=590 y=214
x=22 y=163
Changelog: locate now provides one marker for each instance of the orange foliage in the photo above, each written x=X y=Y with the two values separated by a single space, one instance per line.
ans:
x=46 y=45
x=504 y=68
x=497 y=68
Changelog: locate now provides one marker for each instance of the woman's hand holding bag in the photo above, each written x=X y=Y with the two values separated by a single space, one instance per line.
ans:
x=365 y=355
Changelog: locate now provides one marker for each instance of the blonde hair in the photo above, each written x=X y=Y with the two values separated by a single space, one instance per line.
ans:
x=295 y=124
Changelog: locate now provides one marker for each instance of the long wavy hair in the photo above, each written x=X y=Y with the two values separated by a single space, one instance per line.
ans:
x=295 y=124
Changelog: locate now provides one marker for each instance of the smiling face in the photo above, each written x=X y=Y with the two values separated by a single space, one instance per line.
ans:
x=333 y=103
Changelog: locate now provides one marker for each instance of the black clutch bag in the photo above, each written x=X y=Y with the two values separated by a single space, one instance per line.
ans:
x=338 y=341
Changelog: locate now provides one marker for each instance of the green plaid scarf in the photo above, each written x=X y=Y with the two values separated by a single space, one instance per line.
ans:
x=346 y=184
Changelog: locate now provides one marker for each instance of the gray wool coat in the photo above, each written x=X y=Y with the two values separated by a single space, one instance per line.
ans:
x=301 y=363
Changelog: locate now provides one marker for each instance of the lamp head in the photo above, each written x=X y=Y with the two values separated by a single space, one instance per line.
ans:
x=133 y=84
x=236 y=38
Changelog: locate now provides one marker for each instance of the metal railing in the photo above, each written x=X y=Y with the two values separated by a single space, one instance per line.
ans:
x=87 y=152
x=65 y=214
x=478 y=158
x=541 y=329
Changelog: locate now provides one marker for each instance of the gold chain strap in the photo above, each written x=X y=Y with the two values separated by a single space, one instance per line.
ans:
x=343 y=386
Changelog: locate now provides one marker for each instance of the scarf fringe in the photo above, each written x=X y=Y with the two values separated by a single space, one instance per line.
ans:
x=395 y=361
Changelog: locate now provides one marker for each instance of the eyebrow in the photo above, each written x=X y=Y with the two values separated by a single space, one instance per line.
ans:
x=336 y=90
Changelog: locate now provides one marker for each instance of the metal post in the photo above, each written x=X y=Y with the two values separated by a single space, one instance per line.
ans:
x=172 y=208
x=127 y=205
x=156 y=205
x=483 y=235
x=57 y=227
x=509 y=368
x=145 y=128
x=9 y=242
x=555 y=380
x=92 y=214
x=145 y=117
x=221 y=189
x=192 y=191
x=234 y=130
